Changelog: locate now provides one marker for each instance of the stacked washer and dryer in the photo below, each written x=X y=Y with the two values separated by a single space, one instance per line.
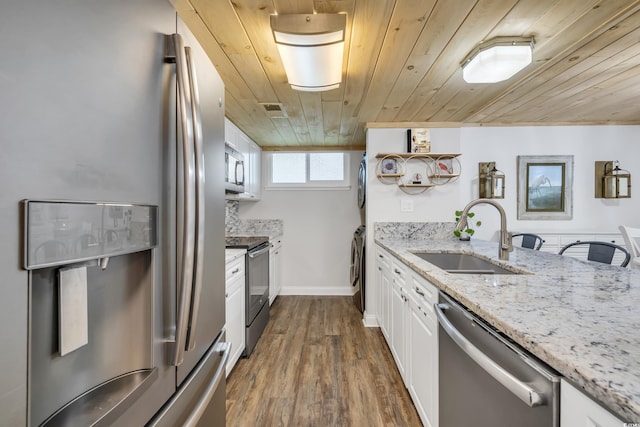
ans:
x=358 y=242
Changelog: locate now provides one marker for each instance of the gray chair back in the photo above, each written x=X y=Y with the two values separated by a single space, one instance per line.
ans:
x=530 y=240
x=601 y=251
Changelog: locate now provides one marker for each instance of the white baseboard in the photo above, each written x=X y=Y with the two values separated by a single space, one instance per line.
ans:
x=370 y=320
x=319 y=290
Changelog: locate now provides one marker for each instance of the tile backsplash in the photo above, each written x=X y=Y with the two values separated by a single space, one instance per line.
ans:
x=237 y=226
x=232 y=222
x=414 y=230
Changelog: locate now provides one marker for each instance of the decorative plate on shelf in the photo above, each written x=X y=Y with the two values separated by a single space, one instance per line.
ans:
x=389 y=166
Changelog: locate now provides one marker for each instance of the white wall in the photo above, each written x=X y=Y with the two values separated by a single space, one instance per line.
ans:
x=318 y=228
x=586 y=143
x=503 y=145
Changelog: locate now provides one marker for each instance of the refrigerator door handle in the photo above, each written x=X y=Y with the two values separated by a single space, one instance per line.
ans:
x=223 y=348
x=186 y=230
x=200 y=202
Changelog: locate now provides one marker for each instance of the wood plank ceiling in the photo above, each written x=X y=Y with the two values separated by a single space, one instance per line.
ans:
x=402 y=66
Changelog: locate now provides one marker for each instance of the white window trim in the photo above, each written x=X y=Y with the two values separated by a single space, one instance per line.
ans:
x=345 y=184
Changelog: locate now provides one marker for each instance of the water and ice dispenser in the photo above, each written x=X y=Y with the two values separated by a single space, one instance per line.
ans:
x=91 y=308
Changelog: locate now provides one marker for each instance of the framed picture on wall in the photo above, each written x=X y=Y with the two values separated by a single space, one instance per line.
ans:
x=418 y=140
x=545 y=187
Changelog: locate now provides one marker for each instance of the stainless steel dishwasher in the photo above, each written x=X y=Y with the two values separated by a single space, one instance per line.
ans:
x=485 y=379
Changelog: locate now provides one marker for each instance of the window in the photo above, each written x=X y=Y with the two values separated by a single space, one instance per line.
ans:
x=315 y=170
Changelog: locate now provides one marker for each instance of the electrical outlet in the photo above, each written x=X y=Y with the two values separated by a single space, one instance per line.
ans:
x=406 y=205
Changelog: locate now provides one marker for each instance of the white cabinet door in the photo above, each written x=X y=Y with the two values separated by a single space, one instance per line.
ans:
x=384 y=283
x=578 y=410
x=398 y=326
x=275 y=269
x=423 y=363
x=255 y=179
x=252 y=154
x=235 y=313
x=400 y=316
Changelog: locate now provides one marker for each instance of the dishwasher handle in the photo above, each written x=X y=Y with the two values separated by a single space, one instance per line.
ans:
x=523 y=391
x=257 y=253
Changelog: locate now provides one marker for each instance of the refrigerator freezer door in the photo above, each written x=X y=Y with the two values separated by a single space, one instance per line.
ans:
x=200 y=401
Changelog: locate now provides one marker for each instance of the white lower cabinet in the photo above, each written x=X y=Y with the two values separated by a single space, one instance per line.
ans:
x=399 y=320
x=275 y=269
x=235 y=309
x=384 y=284
x=578 y=410
x=423 y=351
x=408 y=322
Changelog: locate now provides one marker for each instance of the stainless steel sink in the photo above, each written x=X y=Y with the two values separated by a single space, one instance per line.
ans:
x=463 y=263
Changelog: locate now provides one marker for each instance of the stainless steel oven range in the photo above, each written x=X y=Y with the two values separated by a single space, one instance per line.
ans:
x=257 y=286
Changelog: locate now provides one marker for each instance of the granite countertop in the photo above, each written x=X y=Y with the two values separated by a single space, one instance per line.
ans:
x=271 y=228
x=269 y=235
x=581 y=318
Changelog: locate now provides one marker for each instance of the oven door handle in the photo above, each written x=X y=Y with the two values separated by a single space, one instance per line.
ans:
x=258 y=253
x=521 y=390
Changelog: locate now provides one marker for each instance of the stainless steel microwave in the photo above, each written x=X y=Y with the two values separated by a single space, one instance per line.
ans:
x=234 y=170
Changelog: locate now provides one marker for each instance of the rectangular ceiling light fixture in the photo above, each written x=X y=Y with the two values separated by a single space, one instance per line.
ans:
x=497 y=59
x=311 y=48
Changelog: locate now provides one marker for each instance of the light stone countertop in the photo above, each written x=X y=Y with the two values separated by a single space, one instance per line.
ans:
x=272 y=228
x=581 y=318
x=270 y=236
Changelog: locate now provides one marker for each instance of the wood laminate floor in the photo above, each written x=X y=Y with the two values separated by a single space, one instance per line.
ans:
x=317 y=365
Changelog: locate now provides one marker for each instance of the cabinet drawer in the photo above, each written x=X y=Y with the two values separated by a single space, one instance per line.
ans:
x=616 y=239
x=234 y=269
x=424 y=294
x=572 y=238
x=399 y=271
x=276 y=243
x=383 y=258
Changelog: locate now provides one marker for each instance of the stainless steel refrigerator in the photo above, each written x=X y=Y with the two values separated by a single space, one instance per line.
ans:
x=100 y=238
